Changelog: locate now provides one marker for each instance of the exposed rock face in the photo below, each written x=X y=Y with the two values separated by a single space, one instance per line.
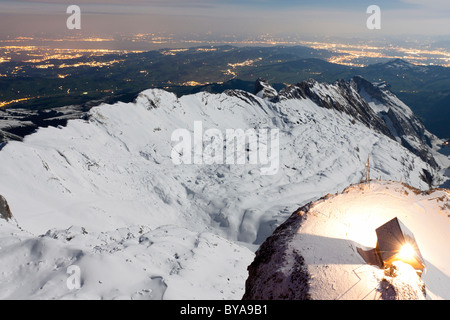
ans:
x=6 y=136
x=264 y=90
x=5 y=212
x=374 y=105
x=244 y=96
x=271 y=275
x=340 y=96
x=402 y=123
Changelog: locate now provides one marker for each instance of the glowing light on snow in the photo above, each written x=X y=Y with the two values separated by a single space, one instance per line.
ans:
x=406 y=278
x=406 y=253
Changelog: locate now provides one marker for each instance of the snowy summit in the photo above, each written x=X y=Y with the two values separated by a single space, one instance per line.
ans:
x=318 y=253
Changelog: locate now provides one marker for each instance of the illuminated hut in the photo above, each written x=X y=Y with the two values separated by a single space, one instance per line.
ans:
x=396 y=242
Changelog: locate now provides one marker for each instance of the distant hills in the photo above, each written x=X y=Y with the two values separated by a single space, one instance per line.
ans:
x=426 y=89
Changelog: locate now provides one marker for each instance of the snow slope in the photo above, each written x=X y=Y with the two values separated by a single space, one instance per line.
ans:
x=323 y=238
x=113 y=170
x=135 y=262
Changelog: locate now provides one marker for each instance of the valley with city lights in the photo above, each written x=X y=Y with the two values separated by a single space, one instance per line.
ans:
x=41 y=73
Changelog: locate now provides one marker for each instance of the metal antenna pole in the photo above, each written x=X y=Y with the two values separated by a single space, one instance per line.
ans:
x=368 y=170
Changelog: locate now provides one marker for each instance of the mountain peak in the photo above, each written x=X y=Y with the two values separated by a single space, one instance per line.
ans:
x=264 y=90
x=400 y=61
x=400 y=64
x=318 y=252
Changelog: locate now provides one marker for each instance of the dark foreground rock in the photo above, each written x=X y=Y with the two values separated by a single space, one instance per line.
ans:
x=5 y=212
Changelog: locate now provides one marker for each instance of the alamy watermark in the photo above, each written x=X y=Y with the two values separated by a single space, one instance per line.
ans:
x=74 y=20
x=374 y=20
x=241 y=147
x=73 y=282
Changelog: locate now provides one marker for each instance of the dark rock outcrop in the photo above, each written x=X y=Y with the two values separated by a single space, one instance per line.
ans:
x=5 y=212
x=267 y=274
x=264 y=90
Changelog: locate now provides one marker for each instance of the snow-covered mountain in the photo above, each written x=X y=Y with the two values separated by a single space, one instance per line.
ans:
x=373 y=105
x=104 y=193
x=403 y=125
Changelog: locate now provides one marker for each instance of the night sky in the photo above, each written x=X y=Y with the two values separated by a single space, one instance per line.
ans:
x=321 y=17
